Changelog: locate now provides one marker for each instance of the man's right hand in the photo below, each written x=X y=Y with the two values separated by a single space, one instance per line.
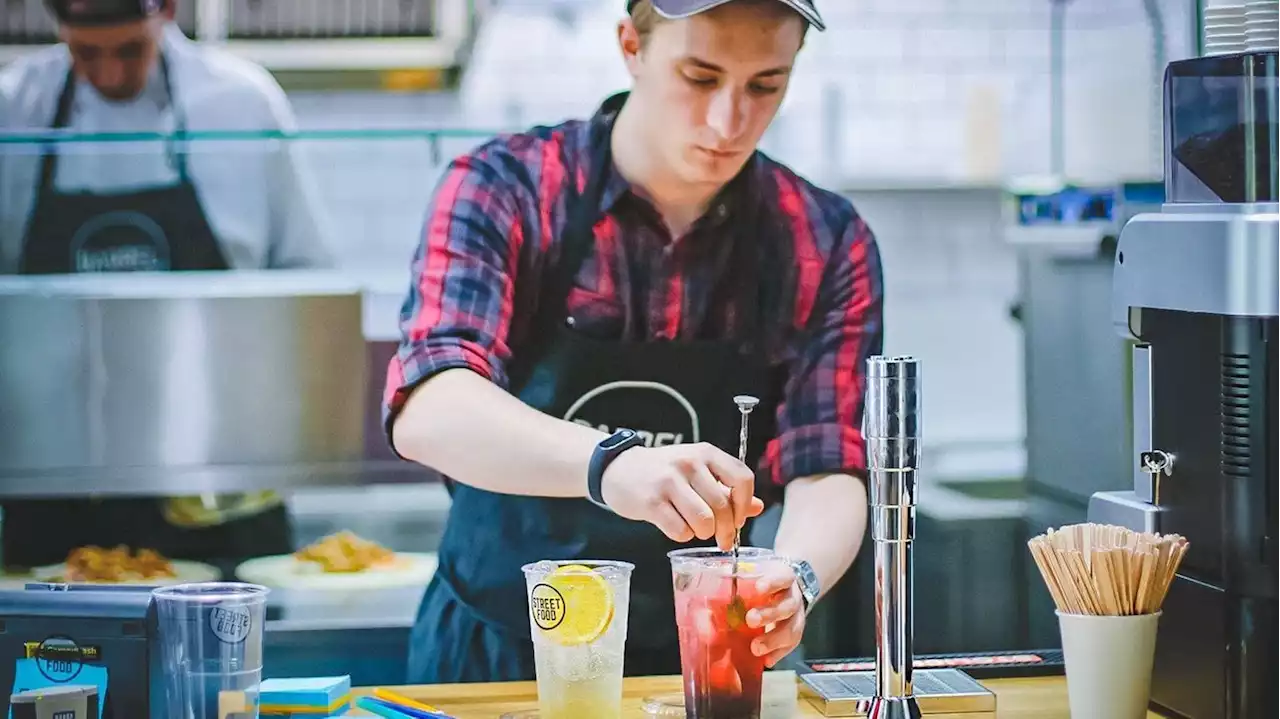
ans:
x=686 y=490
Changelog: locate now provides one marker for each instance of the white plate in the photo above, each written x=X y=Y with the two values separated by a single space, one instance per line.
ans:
x=186 y=572
x=285 y=571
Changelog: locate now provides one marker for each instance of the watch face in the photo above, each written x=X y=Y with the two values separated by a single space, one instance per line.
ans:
x=619 y=437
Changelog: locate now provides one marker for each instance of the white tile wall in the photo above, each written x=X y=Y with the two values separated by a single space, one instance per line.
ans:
x=909 y=89
x=897 y=93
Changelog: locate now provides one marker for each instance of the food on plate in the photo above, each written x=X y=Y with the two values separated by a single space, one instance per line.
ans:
x=96 y=564
x=344 y=552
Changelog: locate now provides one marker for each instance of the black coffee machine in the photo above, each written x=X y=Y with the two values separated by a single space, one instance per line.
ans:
x=1195 y=288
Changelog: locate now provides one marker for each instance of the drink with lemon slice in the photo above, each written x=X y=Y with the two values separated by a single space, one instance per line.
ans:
x=578 y=618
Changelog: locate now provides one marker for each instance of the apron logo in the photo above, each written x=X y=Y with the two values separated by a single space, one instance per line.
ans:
x=120 y=241
x=660 y=415
x=547 y=605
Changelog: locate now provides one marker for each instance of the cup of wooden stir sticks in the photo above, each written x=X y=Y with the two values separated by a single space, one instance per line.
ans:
x=1108 y=584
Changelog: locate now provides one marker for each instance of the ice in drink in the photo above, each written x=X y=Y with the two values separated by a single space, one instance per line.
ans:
x=578 y=619
x=722 y=676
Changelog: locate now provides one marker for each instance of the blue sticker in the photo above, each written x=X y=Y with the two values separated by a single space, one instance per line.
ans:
x=43 y=673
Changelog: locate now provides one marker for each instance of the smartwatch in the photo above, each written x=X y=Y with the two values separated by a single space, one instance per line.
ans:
x=605 y=452
x=807 y=580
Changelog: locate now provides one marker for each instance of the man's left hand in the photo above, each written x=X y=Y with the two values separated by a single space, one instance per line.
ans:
x=782 y=615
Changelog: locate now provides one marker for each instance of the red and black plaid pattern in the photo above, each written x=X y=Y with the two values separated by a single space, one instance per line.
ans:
x=493 y=231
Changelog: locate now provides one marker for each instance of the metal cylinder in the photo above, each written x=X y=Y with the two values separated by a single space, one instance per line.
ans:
x=893 y=458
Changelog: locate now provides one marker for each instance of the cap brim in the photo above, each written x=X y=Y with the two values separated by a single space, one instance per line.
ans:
x=680 y=9
x=103 y=12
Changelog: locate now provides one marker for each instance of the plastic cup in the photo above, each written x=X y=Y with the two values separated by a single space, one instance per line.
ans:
x=722 y=677
x=1108 y=663
x=578 y=620
x=211 y=648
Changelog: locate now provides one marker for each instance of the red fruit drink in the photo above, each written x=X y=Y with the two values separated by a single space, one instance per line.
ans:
x=722 y=676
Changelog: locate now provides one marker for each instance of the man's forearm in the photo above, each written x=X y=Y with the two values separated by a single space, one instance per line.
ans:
x=462 y=425
x=823 y=522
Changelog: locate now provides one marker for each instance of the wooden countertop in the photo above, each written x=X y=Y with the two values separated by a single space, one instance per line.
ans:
x=1031 y=698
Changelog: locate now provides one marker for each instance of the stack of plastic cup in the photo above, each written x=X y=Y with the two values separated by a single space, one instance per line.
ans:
x=1262 y=24
x=211 y=649
x=1224 y=27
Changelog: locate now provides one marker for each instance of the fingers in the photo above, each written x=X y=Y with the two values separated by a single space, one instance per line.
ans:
x=787 y=606
x=666 y=518
x=737 y=477
x=782 y=640
x=698 y=516
x=775 y=576
x=716 y=496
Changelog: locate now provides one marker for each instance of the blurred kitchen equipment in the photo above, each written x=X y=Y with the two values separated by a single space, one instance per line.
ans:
x=179 y=384
x=391 y=35
x=87 y=636
x=331 y=18
x=1196 y=290
x=1075 y=366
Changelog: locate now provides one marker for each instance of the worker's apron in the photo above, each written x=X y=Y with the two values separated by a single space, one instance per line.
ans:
x=473 y=624
x=155 y=229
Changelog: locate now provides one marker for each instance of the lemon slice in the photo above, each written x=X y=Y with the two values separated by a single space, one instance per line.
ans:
x=573 y=606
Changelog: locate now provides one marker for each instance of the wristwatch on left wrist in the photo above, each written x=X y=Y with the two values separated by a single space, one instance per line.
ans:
x=605 y=452
x=808 y=582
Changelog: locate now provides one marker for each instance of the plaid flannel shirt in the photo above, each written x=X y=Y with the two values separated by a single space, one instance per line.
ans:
x=494 y=228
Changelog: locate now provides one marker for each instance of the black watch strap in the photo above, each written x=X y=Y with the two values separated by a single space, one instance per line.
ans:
x=605 y=452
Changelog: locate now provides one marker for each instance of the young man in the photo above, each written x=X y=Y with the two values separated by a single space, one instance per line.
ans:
x=637 y=270
x=124 y=67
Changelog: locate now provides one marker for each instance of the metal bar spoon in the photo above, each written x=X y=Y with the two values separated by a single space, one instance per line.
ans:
x=737 y=612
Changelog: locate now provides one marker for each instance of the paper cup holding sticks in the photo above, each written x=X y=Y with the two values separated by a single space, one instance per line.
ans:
x=1108 y=584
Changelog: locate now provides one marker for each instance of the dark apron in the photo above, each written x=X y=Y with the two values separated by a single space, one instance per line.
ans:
x=473 y=624
x=157 y=229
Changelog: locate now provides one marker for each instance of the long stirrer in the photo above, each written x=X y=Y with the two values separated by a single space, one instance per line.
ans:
x=745 y=403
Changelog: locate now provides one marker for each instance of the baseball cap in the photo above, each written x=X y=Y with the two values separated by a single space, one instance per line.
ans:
x=103 y=12
x=679 y=9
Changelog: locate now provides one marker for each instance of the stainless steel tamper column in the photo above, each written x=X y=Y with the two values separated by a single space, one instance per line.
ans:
x=893 y=443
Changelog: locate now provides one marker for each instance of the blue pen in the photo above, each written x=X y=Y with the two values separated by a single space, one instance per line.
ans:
x=387 y=710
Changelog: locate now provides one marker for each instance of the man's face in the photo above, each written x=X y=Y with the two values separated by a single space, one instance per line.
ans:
x=115 y=59
x=711 y=84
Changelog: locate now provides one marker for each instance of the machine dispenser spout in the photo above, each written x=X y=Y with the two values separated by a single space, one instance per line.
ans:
x=893 y=460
